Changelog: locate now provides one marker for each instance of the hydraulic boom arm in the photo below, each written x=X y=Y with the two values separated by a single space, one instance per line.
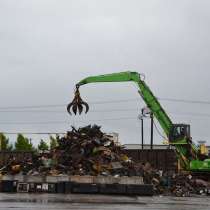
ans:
x=144 y=91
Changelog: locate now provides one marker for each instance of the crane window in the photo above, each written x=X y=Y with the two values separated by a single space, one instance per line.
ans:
x=179 y=131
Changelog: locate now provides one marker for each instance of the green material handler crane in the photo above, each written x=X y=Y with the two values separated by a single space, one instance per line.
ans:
x=178 y=135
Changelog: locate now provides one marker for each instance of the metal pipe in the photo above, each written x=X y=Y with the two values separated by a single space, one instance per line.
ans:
x=142 y=130
x=152 y=130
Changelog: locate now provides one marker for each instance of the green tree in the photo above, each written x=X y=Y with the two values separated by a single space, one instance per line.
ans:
x=53 y=142
x=23 y=144
x=43 y=145
x=4 y=143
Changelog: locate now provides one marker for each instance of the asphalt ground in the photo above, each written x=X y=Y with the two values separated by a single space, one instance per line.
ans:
x=100 y=202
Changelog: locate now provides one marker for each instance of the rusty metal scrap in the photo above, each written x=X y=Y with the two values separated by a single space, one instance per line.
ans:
x=180 y=185
x=89 y=151
x=83 y=151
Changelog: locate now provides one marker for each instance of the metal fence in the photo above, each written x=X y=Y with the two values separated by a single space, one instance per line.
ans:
x=164 y=159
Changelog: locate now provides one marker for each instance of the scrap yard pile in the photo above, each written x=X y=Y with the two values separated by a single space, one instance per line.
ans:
x=89 y=151
x=180 y=185
x=83 y=151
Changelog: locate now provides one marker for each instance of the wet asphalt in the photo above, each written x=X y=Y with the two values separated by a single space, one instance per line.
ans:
x=100 y=202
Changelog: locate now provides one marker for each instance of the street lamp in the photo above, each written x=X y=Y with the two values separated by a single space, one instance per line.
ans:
x=146 y=112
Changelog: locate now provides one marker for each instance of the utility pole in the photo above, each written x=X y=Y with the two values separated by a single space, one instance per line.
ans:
x=1 y=142
x=152 y=126
x=142 y=129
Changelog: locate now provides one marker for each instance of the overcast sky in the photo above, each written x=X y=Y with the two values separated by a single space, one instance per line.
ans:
x=46 y=46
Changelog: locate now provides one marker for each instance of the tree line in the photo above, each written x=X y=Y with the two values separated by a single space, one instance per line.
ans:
x=23 y=143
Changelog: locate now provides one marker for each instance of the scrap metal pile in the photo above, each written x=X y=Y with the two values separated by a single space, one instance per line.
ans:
x=182 y=184
x=83 y=151
x=88 y=151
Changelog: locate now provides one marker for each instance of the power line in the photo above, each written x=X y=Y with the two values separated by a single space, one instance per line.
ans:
x=33 y=106
x=66 y=122
x=115 y=101
x=104 y=110
x=105 y=102
x=185 y=101
x=32 y=133
x=192 y=114
x=32 y=123
x=64 y=105
x=54 y=111
x=158 y=131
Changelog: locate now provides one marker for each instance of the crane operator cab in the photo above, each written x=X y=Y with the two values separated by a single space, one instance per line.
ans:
x=179 y=132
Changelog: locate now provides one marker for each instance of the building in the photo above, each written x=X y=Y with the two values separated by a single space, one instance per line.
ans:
x=155 y=147
x=146 y=146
